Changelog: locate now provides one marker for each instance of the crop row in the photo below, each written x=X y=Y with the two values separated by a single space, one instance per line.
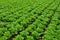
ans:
x=25 y=20
x=53 y=30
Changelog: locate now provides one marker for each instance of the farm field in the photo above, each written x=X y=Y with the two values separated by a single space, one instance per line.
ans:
x=29 y=19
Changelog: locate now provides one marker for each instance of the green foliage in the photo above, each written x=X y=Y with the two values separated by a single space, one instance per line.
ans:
x=29 y=19
x=19 y=38
x=35 y=34
x=24 y=33
x=30 y=38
